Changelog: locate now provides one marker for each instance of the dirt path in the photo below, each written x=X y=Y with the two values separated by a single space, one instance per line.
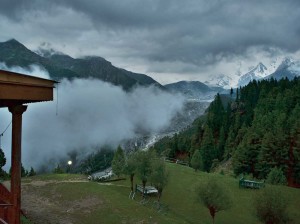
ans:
x=42 y=202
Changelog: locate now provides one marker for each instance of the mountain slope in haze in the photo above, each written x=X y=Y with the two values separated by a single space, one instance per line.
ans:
x=60 y=66
x=192 y=90
x=13 y=53
x=221 y=80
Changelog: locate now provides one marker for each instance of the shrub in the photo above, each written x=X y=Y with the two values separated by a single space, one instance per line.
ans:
x=276 y=176
x=270 y=205
x=58 y=170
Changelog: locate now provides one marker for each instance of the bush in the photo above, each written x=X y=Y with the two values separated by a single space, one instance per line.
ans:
x=270 y=205
x=58 y=170
x=276 y=176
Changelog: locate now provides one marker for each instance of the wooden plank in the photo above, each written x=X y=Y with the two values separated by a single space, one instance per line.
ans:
x=4 y=194
x=2 y=221
x=25 y=92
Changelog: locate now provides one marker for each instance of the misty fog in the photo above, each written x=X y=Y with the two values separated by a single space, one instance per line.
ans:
x=86 y=113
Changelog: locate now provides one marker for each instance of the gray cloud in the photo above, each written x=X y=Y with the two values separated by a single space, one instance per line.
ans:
x=195 y=33
x=90 y=113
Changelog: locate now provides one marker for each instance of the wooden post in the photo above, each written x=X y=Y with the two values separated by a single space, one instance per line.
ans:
x=17 y=112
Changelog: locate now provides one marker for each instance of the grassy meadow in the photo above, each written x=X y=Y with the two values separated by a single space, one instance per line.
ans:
x=66 y=198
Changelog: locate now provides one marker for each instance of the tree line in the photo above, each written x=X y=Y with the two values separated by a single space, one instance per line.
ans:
x=4 y=175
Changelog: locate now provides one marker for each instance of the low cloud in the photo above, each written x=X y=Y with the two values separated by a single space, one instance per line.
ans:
x=87 y=113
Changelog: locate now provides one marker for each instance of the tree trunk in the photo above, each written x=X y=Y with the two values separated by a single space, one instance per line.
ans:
x=131 y=180
x=159 y=193
x=212 y=212
x=291 y=162
x=144 y=186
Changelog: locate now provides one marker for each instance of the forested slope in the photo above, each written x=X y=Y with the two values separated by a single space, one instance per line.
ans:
x=259 y=129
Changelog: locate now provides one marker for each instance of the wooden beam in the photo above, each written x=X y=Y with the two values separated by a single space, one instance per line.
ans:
x=17 y=112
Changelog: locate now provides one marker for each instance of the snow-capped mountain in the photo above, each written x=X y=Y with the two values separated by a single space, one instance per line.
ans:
x=295 y=67
x=258 y=72
x=274 y=65
x=47 y=53
x=288 y=68
x=287 y=62
x=220 y=80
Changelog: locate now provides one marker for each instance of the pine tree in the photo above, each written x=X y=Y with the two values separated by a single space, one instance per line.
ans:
x=31 y=172
x=231 y=92
x=207 y=149
x=294 y=150
x=245 y=157
x=24 y=172
x=221 y=144
x=118 y=162
x=276 y=176
x=230 y=145
x=215 y=114
x=274 y=152
x=2 y=158
x=3 y=174
x=237 y=95
x=196 y=161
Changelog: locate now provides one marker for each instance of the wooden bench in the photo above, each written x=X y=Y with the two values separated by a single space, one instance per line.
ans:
x=147 y=190
x=250 y=184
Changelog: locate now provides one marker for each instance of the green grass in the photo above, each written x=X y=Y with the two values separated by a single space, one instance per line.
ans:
x=181 y=192
x=25 y=221
x=114 y=206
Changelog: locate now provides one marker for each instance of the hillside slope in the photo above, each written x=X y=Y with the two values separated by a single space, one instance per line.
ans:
x=258 y=128
x=71 y=199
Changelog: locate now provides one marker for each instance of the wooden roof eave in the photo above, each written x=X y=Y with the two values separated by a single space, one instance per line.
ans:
x=17 y=89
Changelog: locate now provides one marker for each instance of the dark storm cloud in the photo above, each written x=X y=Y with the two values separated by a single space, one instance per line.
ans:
x=11 y=8
x=194 y=32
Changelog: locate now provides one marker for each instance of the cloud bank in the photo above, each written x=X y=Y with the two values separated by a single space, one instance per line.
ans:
x=89 y=113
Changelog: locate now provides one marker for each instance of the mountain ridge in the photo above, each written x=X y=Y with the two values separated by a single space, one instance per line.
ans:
x=193 y=90
x=60 y=66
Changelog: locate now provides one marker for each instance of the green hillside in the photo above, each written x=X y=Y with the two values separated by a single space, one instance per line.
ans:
x=259 y=129
x=71 y=199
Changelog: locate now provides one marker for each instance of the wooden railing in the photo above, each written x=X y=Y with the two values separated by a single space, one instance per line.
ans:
x=5 y=205
x=3 y=222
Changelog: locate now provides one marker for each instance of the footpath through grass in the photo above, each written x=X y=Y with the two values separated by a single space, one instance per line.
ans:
x=93 y=203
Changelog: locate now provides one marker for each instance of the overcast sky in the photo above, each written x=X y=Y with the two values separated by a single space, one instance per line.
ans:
x=170 y=40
